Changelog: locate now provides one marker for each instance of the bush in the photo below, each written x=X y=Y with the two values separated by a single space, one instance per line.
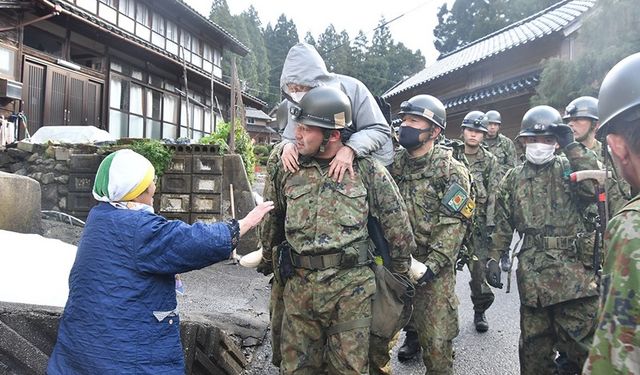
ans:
x=244 y=145
x=157 y=153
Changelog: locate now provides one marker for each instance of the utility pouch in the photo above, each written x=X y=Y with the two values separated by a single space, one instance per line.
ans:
x=285 y=266
x=585 y=247
x=392 y=304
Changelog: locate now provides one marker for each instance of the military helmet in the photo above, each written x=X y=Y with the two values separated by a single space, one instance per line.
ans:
x=493 y=117
x=537 y=120
x=476 y=120
x=325 y=107
x=584 y=106
x=425 y=106
x=620 y=92
x=282 y=114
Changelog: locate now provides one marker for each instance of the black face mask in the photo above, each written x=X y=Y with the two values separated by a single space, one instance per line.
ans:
x=410 y=137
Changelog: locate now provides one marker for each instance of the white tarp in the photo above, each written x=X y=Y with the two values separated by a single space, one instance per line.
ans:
x=70 y=134
x=34 y=269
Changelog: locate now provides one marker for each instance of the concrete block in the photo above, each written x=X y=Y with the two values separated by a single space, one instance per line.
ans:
x=205 y=218
x=20 y=204
x=176 y=183
x=174 y=203
x=176 y=216
x=180 y=163
x=209 y=203
x=80 y=202
x=62 y=153
x=206 y=184
x=81 y=182
x=207 y=164
x=84 y=163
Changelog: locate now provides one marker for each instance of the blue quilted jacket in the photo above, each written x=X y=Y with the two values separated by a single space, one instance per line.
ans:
x=121 y=315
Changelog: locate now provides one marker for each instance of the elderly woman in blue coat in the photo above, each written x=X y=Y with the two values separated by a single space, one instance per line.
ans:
x=121 y=315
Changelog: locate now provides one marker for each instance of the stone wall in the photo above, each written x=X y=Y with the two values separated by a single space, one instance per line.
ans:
x=50 y=166
x=196 y=187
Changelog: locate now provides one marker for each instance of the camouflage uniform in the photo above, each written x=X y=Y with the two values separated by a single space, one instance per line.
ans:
x=616 y=343
x=318 y=216
x=504 y=150
x=423 y=182
x=484 y=169
x=558 y=292
x=617 y=189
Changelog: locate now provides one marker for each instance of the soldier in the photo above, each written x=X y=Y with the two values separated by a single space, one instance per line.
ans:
x=556 y=282
x=616 y=343
x=369 y=134
x=320 y=230
x=484 y=169
x=436 y=189
x=504 y=150
x=582 y=116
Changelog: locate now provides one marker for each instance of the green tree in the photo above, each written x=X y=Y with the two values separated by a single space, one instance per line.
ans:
x=278 y=40
x=244 y=145
x=608 y=34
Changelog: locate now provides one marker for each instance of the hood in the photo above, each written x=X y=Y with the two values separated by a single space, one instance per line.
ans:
x=304 y=66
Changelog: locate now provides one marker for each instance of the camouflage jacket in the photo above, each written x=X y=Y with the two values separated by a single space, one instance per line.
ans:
x=424 y=183
x=616 y=342
x=484 y=169
x=540 y=202
x=504 y=150
x=316 y=215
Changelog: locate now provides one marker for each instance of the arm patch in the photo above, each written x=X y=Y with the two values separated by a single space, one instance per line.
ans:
x=457 y=201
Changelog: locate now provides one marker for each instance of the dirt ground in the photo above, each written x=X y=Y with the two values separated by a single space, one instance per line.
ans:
x=61 y=231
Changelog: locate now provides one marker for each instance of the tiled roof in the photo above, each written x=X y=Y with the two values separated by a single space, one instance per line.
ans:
x=259 y=129
x=539 y=25
x=256 y=113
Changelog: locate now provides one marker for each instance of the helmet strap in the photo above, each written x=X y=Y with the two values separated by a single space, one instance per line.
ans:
x=326 y=134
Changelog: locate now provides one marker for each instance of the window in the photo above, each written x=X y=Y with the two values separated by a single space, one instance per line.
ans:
x=185 y=45
x=89 y=5
x=107 y=10
x=172 y=38
x=157 y=36
x=143 y=22
x=127 y=10
x=7 y=62
x=43 y=41
x=196 y=58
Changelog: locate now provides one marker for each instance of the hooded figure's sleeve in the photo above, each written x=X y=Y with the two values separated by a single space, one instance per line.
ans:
x=371 y=128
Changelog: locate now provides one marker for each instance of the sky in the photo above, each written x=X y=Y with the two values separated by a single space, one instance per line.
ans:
x=414 y=28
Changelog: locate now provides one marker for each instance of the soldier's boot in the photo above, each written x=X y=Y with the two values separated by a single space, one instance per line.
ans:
x=565 y=366
x=410 y=347
x=480 y=322
x=505 y=262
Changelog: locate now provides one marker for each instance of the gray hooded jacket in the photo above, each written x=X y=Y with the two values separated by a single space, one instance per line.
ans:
x=371 y=133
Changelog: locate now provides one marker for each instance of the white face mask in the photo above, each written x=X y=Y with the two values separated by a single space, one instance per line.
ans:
x=297 y=96
x=539 y=153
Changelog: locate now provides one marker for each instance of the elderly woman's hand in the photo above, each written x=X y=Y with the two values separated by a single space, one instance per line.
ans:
x=254 y=217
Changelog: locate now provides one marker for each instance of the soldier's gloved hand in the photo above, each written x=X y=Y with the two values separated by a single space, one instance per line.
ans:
x=563 y=134
x=265 y=267
x=426 y=278
x=493 y=273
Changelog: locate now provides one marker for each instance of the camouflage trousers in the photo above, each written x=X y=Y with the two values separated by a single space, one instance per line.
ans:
x=320 y=333
x=435 y=318
x=481 y=294
x=379 y=348
x=276 y=312
x=565 y=327
x=380 y=354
